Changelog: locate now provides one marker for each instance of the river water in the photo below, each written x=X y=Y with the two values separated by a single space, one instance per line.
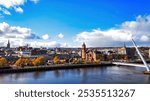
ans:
x=93 y=75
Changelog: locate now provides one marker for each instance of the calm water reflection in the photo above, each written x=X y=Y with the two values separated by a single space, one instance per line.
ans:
x=110 y=74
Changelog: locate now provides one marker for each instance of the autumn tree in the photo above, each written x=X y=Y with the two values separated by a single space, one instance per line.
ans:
x=62 y=61
x=126 y=58
x=79 y=61
x=32 y=61
x=38 y=61
x=83 y=61
x=74 y=61
x=56 y=60
x=97 y=62
x=3 y=61
x=23 y=62
x=20 y=62
x=27 y=61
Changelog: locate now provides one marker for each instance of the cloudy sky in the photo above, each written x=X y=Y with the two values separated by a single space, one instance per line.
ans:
x=69 y=23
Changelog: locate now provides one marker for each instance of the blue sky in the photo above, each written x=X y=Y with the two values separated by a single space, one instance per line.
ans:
x=68 y=23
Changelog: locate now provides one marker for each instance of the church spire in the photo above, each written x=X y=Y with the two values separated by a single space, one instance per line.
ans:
x=83 y=45
x=8 y=44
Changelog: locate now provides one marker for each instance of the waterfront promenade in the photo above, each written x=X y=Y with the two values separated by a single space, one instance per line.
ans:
x=51 y=67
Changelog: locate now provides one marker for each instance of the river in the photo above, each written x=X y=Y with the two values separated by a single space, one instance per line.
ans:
x=94 y=75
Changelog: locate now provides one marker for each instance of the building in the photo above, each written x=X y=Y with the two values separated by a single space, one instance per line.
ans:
x=149 y=53
x=83 y=51
x=129 y=51
x=2 y=53
x=89 y=55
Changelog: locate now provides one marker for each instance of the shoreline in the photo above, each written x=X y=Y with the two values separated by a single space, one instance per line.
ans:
x=51 y=67
x=10 y=69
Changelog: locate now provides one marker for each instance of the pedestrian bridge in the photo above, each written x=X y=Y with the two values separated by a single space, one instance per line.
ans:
x=137 y=65
x=128 y=64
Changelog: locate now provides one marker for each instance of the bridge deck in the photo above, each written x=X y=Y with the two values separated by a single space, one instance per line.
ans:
x=128 y=64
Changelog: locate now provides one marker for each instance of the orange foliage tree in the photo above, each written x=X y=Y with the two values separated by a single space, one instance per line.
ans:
x=56 y=60
x=97 y=62
x=38 y=61
x=62 y=61
x=3 y=61
x=27 y=62
x=79 y=61
x=23 y=62
x=20 y=62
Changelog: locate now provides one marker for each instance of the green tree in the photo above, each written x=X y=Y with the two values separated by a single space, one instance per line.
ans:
x=110 y=57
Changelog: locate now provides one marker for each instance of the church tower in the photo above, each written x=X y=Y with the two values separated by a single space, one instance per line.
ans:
x=8 y=45
x=83 y=51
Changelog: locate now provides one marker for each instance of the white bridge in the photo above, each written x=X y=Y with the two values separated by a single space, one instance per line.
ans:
x=128 y=64
x=145 y=65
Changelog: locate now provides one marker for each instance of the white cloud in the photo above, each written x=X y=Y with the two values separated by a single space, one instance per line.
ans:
x=140 y=29
x=11 y=3
x=144 y=38
x=60 y=35
x=32 y=43
x=64 y=45
x=35 y=1
x=45 y=36
x=7 y=5
x=45 y=44
x=5 y=11
x=7 y=31
x=48 y=44
x=18 y=9
x=20 y=36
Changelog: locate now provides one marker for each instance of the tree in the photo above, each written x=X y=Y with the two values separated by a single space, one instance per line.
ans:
x=83 y=61
x=79 y=61
x=110 y=57
x=20 y=62
x=62 y=61
x=27 y=61
x=126 y=58
x=97 y=62
x=38 y=61
x=74 y=61
x=122 y=57
x=23 y=62
x=56 y=60
x=3 y=61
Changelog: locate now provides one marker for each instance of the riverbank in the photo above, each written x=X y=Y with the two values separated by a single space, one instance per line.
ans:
x=52 y=67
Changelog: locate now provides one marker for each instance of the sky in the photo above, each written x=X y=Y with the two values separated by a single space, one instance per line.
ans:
x=69 y=23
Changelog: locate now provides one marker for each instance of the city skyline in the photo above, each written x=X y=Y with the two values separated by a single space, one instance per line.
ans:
x=68 y=23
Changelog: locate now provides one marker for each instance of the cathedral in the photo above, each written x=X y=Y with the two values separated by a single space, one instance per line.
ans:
x=89 y=55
